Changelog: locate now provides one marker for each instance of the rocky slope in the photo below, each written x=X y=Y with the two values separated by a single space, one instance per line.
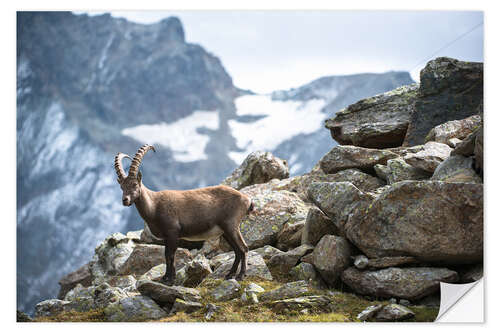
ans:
x=325 y=245
x=89 y=87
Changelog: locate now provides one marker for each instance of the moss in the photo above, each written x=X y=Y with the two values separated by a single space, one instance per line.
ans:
x=96 y=315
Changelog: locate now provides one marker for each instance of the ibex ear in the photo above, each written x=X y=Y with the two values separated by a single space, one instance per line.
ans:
x=139 y=176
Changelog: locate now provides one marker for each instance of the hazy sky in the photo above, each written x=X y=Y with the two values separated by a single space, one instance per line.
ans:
x=270 y=50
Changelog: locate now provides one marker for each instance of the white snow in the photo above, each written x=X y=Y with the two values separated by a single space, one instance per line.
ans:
x=180 y=136
x=283 y=120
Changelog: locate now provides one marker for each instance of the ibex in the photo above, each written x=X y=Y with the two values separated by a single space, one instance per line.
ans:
x=194 y=215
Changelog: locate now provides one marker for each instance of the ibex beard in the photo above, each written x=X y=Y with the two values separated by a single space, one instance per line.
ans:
x=194 y=215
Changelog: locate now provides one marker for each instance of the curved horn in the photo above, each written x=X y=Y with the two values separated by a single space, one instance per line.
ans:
x=134 y=167
x=119 y=167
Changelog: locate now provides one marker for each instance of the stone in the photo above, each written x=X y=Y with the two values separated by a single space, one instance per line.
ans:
x=210 y=310
x=339 y=201
x=267 y=251
x=81 y=276
x=347 y=157
x=428 y=159
x=316 y=303
x=196 y=271
x=290 y=235
x=226 y=290
x=394 y=312
x=256 y=267
x=457 y=169
x=81 y=298
x=142 y=258
x=453 y=142
x=122 y=281
x=50 y=307
x=283 y=262
x=369 y=312
x=250 y=293
x=305 y=271
x=257 y=168
x=384 y=262
x=408 y=283
x=165 y=295
x=134 y=308
x=221 y=259
x=308 y=258
x=287 y=290
x=181 y=305
x=272 y=210
x=430 y=220
x=398 y=170
x=467 y=146
x=458 y=129
x=104 y=295
x=134 y=235
x=317 y=225
x=331 y=256
x=361 y=262
x=449 y=90
x=375 y=122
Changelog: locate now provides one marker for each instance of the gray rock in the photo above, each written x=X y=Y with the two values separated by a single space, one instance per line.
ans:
x=457 y=169
x=428 y=159
x=50 y=307
x=305 y=271
x=303 y=304
x=375 y=122
x=256 y=267
x=394 y=312
x=348 y=157
x=398 y=170
x=283 y=262
x=449 y=90
x=454 y=129
x=257 y=168
x=369 y=312
x=288 y=290
x=331 y=256
x=361 y=262
x=210 y=310
x=290 y=235
x=181 y=305
x=250 y=293
x=407 y=283
x=384 y=262
x=404 y=302
x=122 y=281
x=163 y=294
x=267 y=251
x=339 y=201
x=226 y=290
x=81 y=276
x=429 y=220
x=134 y=308
x=317 y=225
x=196 y=271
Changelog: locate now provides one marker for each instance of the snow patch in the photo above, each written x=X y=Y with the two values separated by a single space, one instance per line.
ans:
x=283 y=121
x=180 y=136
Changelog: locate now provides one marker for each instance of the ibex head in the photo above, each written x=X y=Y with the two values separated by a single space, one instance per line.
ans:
x=131 y=184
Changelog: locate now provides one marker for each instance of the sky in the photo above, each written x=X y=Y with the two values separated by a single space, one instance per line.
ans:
x=271 y=50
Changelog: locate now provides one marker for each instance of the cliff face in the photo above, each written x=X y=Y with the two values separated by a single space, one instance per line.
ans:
x=89 y=87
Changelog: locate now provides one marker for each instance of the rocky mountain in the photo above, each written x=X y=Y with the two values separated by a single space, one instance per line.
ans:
x=367 y=235
x=91 y=86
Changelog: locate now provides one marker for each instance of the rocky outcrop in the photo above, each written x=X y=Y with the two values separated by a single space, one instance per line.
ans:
x=81 y=276
x=317 y=225
x=290 y=235
x=348 y=157
x=375 y=122
x=449 y=90
x=457 y=169
x=408 y=283
x=454 y=129
x=331 y=256
x=431 y=221
x=428 y=159
x=257 y=168
x=305 y=271
x=283 y=262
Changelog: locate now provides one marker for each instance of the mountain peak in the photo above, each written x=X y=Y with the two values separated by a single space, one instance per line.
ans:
x=171 y=30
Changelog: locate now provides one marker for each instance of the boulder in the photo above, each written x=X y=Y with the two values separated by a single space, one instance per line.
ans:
x=429 y=220
x=256 y=267
x=290 y=235
x=316 y=303
x=305 y=271
x=348 y=157
x=317 y=225
x=360 y=262
x=369 y=312
x=398 y=170
x=272 y=210
x=134 y=308
x=331 y=256
x=283 y=262
x=288 y=290
x=196 y=271
x=449 y=90
x=378 y=263
x=181 y=305
x=375 y=122
x=394 y=312
x=81 y=276
x=407 y=283
x=467 y=146
x=428 y=159
x=226 y=290
x=458 y=129
x=267 y=251
x=339 y=201
x=166 y=295
x=50 y=307
x=457 y=169
x=257 y=168
x=250 y=293
x=453 y=142
x=87 y=298
x=122 y=281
